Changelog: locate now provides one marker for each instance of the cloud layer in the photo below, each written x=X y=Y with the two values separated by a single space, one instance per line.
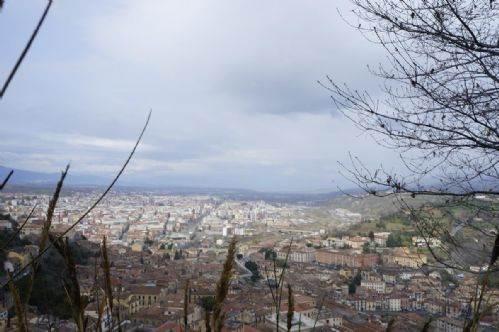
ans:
x=232 y=85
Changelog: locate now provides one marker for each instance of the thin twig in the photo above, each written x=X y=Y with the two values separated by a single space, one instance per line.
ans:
x=6 y=179
x=280 y=285
x=321 y=305
x=26 y=49
x=19 y=229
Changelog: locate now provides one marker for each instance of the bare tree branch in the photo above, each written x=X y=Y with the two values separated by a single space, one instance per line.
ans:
x=2 y=185
x=26 y=49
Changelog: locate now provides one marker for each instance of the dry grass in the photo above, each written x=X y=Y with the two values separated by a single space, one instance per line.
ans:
x=50 y=210
x=291 y=308
x=22 y=325
x=223 y=287
x=42 y=246
x=101 y=306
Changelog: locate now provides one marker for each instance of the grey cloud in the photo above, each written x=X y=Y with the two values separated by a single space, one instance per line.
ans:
x=232 y=85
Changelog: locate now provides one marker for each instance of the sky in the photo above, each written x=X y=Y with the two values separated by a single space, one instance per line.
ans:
x=232 y=86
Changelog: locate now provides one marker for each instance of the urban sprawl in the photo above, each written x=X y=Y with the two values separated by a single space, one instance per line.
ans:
x=342 y=280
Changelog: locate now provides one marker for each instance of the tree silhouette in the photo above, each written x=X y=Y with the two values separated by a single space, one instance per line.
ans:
x=440 y=110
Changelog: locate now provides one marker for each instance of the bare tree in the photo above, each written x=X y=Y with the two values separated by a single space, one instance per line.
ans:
x=275 y=282
x=439 y=108
x=440 y=105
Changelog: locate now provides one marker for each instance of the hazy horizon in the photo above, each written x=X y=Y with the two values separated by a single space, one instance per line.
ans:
x=75 y=181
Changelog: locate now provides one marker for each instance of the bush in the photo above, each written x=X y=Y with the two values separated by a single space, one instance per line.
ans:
x=207 y=303
x=393 y=240
x=48 y=295
x=366 y=248
x=253 y=267
x=269 y=253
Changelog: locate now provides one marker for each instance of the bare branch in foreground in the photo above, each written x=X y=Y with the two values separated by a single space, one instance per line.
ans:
x=26 y=49
x=19 y=229
x=6 y=180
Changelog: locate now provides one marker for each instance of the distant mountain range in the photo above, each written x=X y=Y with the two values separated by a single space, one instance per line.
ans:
x=29 y=178
x=26 y=180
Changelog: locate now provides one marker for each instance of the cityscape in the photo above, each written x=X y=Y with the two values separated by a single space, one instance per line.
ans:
x=344 y=276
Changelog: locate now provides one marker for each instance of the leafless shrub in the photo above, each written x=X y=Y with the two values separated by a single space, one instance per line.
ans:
x=279 y=282
x=320 y=306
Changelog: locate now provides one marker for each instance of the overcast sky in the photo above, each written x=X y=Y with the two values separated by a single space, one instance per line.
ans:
x=232 y=86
